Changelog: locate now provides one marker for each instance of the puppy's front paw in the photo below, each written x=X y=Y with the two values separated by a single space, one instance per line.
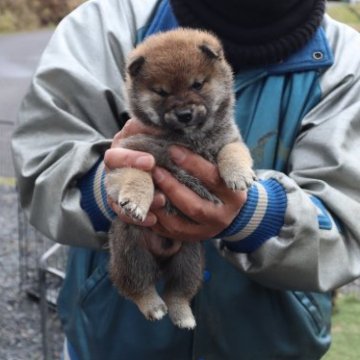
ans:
x=239 y=179
x=132 y=189
x=135 y=211
x=235 y=166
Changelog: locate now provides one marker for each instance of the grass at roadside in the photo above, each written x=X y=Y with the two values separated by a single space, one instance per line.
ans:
x=27 y=15
x=7 y=181
x=346 y=330
x=349 y=14
x=23 y=15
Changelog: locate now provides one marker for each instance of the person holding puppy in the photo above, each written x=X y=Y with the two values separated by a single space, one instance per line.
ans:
x=272 y=253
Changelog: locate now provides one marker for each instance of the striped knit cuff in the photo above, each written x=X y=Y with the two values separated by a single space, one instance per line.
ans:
x=260 y=219
x=94 y=198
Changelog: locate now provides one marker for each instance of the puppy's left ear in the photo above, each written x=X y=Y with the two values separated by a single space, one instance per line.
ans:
x=212 y=52
x=135 y=65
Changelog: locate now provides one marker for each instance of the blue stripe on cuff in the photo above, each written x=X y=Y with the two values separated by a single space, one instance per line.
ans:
x=270 y=224
x=108 y=209
x=324 y=218
x=244 y=215
x=88 y=201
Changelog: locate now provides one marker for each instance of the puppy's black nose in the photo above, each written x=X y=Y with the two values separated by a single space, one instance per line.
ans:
x=184 y=115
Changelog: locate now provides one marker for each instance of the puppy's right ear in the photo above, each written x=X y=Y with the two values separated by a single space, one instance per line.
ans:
x=136 y=65
x=212 y=52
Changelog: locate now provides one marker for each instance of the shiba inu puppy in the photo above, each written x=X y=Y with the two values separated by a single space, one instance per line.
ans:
x=179 y=82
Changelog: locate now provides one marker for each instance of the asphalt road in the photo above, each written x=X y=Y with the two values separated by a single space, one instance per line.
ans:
x=19 y=56
x=20 y=335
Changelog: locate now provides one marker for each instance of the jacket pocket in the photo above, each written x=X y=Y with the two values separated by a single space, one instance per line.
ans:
x=98 y=276
x=318 y=307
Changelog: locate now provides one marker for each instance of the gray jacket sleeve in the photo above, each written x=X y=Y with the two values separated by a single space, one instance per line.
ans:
x=325 y=164
x=71 y=112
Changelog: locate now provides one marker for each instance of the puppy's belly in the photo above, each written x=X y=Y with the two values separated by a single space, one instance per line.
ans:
x=159 y=246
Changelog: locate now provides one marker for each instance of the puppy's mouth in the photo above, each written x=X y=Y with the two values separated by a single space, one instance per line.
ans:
x=186 y=118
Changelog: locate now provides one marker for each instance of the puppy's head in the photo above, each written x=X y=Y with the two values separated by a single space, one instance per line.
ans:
x=178 y=80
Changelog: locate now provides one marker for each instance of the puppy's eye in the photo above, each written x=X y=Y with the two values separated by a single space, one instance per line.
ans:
x=197 y=85
x=161 y=92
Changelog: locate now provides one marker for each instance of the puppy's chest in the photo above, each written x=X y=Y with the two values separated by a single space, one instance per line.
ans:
x=159 y=146
x=207 y=147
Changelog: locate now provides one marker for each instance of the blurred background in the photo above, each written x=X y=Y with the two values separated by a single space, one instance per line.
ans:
x=32 y=267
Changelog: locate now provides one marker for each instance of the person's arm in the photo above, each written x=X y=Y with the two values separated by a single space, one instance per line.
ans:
x=318 y=246
x=210 y=218
x=300 y=230
x=72 y=110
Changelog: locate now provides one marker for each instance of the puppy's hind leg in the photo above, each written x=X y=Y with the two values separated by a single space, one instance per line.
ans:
x=151 y=304
x=184 y=277
x=134 y=270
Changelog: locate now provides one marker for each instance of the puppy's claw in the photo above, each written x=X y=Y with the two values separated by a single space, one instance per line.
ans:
x=242 y=182
x=132 y=210
x=123 y=203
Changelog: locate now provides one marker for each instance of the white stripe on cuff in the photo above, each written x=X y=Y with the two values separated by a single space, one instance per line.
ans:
x=256 y=218
x=97 y=190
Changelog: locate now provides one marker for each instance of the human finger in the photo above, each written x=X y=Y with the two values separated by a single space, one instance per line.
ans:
x=183 y=198
x=132 y=127
x=159 y=201
x=181 y=229
x=197 y=166
x=115 y=158
x=205 y=171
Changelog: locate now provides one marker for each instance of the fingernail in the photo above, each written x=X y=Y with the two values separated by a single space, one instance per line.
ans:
x=158 y=175
x=159 y=201
x=177 y=154
x=145 y=162
x=150 y=220
x=162 y=200
x=106 y=158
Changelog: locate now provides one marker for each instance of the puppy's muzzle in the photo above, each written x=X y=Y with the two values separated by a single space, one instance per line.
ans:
x=187 y=116
x=184 y=115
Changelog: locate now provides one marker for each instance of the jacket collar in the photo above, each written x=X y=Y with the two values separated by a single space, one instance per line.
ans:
x=314 y=56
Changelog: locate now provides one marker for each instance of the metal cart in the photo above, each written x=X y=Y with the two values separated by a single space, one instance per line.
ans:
x=42 y=271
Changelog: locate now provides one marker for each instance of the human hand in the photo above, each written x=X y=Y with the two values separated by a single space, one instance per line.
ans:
x=209 y=219
x=118 y=157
